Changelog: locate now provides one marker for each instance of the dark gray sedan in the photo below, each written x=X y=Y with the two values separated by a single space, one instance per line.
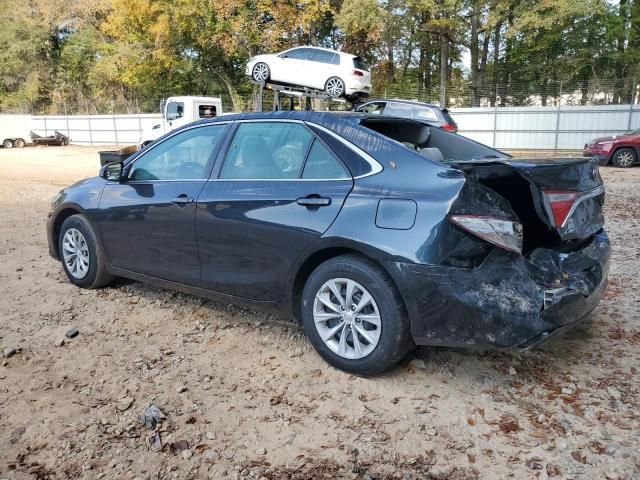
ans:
x=376 y=233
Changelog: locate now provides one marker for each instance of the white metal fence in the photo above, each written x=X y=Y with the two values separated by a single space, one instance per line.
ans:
x=95 y=129
x=545 y=128
x=515 y=128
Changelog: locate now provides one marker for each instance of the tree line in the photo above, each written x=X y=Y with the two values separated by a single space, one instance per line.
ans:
x=124 y=55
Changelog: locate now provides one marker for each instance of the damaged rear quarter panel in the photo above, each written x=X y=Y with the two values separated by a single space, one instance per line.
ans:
x=501 y=303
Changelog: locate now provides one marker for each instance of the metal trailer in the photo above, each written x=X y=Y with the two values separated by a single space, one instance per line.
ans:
x=58 y=138
x=281 y=91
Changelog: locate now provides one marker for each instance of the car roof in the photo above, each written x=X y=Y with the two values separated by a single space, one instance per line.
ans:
x=325 y=119
x=324 y=49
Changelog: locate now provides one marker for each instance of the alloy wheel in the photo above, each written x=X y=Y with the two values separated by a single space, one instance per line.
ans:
x=347 y=318
x=624 y=159
x=335 y=87
x=75 y=253
x=261 y=72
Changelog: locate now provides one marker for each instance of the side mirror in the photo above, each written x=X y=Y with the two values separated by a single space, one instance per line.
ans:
x=112 y=171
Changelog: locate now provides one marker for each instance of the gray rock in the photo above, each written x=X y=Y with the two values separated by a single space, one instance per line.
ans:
x=211 y=455
x=418 y=364
x=261 y=451
x=151 y=416
x=9 y=352
x=181 y=389
x=72 y=332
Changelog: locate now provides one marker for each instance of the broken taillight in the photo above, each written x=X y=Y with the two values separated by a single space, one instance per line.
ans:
x=560 y=203
x=502 y=233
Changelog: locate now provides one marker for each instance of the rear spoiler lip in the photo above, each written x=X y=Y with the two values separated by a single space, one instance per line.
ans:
x=582 y=196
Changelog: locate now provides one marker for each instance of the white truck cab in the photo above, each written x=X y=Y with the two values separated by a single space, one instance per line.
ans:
x=178 y=111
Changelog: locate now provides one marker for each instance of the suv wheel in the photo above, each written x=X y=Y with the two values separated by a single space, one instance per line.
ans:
x=624 y=158
x=82 y=257
x=354 y=317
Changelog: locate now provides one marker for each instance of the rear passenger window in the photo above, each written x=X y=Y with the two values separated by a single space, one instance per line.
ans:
x=322 y=165
x=267 y=151
x=402 y=110
x=424 y=113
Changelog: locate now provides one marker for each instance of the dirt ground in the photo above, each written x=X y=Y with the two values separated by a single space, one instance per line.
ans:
x=246 y=396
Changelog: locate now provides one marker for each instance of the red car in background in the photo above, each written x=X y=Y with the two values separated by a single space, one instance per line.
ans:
x=620 y=150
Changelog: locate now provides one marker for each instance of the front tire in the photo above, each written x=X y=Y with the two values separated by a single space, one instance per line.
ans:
x=354 y=316
x=624 y=158
x=334 y=87
x=82 y=257
x=261 y=72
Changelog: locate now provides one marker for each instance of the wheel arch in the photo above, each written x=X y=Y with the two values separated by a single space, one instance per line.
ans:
x=60 y=217
x=298 y=279
x=635 y=148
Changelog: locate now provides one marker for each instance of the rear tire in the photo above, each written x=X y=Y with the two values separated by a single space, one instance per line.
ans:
x=20 y=143
x=7 y=143
x=381 y=326
x=82 y=257
x=334 y=87
x=624 y=158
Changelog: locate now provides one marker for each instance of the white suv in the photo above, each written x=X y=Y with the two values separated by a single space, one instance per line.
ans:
x=338 y=74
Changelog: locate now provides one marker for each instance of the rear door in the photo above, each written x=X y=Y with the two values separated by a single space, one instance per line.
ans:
x=147 y=222
x=277 y=188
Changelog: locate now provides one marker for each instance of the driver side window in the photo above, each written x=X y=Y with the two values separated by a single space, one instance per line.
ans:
x=184 y=156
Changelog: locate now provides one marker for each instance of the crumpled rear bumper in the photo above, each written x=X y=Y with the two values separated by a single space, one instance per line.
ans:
x=509 y=301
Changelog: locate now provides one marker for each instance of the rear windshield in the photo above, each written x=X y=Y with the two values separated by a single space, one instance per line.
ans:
x=359 y=64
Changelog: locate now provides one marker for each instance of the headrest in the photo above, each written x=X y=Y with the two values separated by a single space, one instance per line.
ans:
x=254 y=151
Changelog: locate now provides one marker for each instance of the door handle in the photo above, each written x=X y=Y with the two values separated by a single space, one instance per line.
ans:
x=182 y=200
x=314 y=201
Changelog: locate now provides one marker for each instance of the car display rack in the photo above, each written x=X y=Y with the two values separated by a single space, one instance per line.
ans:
x=281 y=91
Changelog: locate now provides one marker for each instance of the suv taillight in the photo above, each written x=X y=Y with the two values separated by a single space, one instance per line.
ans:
x=448 y=127
x=357 y=73
x=560 y=202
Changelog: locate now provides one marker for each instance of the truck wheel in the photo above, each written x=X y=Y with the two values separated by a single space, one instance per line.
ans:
x=20 y=143
x=7 y=143
x=261 y=72
x=624 y=158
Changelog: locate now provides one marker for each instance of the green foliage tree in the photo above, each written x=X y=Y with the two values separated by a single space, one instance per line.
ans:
x=125 y=55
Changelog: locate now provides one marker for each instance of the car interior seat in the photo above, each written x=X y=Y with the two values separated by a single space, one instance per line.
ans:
x=257 y=159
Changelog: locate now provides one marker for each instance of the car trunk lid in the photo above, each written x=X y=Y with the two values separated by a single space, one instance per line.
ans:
x=558 y=200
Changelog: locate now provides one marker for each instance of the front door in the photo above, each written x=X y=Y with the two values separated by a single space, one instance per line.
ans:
x=278 y=189
x=147 y=221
